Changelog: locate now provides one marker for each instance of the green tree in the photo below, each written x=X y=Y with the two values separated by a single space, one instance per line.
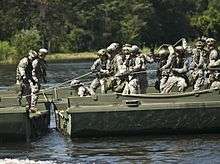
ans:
x=26 y=40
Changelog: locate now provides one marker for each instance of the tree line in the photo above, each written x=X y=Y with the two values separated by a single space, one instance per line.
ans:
x=88 y=25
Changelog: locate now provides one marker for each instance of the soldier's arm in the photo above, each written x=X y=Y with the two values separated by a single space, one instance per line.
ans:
x=149 y=59
x=213 y=58
x=95 y=65
x=169 y=61
x=138 y=64
x=22 y=66
x=34 y=74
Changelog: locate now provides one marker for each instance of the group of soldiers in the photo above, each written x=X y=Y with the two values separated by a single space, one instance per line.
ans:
x=123 y=68
x=30 y=73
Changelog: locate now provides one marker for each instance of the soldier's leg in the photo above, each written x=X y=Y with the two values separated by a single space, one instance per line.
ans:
x=172 y=80
x=94 y=85
x=163 y=81
x=133 y=86
x=26 y=91
x=20 y=92
x=199 y=80
x=35 y=88
x=198 y=83
x=103 y=83
x=126 y=88
x=181 y=84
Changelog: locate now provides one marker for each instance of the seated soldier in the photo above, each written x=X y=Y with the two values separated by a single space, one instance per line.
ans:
x=178 y=66
x=79 y=88
x=214 y=57
x=198 y=66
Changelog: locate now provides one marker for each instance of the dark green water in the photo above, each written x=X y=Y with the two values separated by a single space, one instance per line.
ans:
x=55 y=148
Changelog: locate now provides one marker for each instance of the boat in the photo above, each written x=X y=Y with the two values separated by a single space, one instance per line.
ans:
x=139 y=114
x=17 y=124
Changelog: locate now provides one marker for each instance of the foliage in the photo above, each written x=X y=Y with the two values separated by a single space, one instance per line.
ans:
x=88 y=25
x=26 y=40
x=6 y=51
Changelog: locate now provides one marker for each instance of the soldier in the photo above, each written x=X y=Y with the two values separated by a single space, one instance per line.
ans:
x=134 y=64
x=114 y=53
x=102 y=69
x=198 y=66
x=25 y=78
x=80 y=89
x=39 y=75
x=121 y=75
x=178 y=67
x=214 y=58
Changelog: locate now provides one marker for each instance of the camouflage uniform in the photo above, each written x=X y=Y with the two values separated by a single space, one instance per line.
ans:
x=177 y=66
x=135 y=64
x=116 y=58
x=25 y=79
x=214 y=57
x=101 y=67
x=39 y=75
x=198 y=66
x=80 y=89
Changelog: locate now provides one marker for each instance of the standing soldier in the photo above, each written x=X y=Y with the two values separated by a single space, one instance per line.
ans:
x=39 y=75
x=25 y=79
x=101 y=67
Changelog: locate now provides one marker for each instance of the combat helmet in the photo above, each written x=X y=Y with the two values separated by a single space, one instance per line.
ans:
x=75 y=83
x=210 y=41
x=42 y=52
x=32 y=54
x=113 y=47
x=102 y=52
x=135 y=49
x=199 y=44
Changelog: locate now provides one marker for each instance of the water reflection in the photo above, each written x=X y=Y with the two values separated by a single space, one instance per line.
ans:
x=151 y=149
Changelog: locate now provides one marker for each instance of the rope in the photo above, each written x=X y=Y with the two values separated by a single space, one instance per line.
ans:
x=169 y=45
x=57 y=85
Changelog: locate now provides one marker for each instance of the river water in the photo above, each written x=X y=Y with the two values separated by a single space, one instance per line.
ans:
x=55 y=148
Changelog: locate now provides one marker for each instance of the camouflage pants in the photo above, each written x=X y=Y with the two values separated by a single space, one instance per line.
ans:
x=215 y=84
x=35 y=88
x=98 y=82
x=131 y=87
x=180 y=82
x=30 y=91
x=198 y=79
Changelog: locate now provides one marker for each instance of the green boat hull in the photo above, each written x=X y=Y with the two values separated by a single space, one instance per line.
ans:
x=116 y=114
x=17 y=124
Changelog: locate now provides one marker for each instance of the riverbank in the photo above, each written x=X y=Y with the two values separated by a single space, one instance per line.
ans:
x=60 y=57
x=83 y=56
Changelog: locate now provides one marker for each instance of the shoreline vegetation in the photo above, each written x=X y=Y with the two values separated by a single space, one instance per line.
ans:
x=65 y=57
x=60 y=57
